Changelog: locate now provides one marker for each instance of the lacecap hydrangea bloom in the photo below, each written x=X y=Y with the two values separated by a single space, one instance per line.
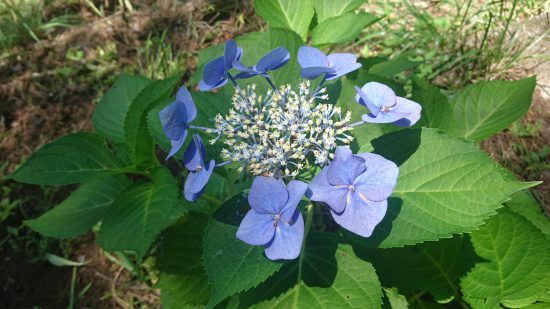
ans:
x=289 y=131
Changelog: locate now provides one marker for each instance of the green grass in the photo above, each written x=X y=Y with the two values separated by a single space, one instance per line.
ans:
x=22 y=21
x=458 y=41
x=157 y=59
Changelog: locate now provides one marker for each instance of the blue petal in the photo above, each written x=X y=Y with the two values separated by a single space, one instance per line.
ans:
x=273 y=60
x=311 y=57
x=321 y=190
x=184 y=97
x=232 y=53
x=196 y=182
x=245 y=75
x=203 y=86
x=256 y=229
x=176 y=145
x=214 y=72
x=361 y=217
x=267 y=195
x=241 y=67
x=342 y=63
x=287 y=243
x=174 y=120
x=376 y=94
x=345 y=167
x=378 y=181
x=194 y=155
x=411 y=108
x=296 y=189
x=314 y=72
x=362 y=99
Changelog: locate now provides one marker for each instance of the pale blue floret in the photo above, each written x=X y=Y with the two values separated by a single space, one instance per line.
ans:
x=273 y=60
x=274 y=219
x=385 y=106
x=356 y=188
x=199 y=171
x=175 y=119
x=315 y=63
x=216 y=72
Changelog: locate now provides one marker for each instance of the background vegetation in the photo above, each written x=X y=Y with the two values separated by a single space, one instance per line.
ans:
x=58 y=57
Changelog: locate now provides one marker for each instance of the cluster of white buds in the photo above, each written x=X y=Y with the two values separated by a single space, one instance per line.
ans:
x=280 y=133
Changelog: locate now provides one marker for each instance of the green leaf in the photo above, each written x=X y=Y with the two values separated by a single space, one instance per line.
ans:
x=396 y=300
x=111 y=110
x=485 y=108
x=183 y=291
x=70 y=159
x=232 y=265
x=516 y=263
x=392 y=67
x=327 y=275
x=183 y=281
x=341 y=29
x=436 y=110
x=181 y=250
x=82 y=209
x=330 y=8
x=139 y=214
x=294 y=15
x=290 y=73
x=445 y=186
x=135 y=124
x=434 y=267
x=525 y=205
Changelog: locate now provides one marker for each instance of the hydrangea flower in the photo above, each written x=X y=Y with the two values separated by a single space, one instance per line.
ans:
x=274 y=220
x=216 y=72
x=315 y=63
x=270 y=62
x=385 y=106
x=356 y=188
x=199 y=172
x=175 y=119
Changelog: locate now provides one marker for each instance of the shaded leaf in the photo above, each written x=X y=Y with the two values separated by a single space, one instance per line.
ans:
x=82 y=209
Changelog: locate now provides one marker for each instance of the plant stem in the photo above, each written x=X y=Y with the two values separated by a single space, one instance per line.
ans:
x=205 y=129
x=233 y=81
x=309 y=219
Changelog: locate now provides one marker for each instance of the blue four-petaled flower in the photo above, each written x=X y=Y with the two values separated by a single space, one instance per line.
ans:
x=199 y=171
x=356 y=188
x=315 y=63
x=385 y=106
x=175 y=119
x=216 y=72
x=273 y=60
x=274 y=219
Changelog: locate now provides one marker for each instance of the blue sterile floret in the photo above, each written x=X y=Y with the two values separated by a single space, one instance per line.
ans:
x=356 y=188
x=315 y=63
x=175 y=119
x=273 y=60
x=199 y=172
x=385 y=106
x=274 y=220
x=216 y=72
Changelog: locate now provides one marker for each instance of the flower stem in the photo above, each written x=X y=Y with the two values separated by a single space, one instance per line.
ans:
x=205 y=129
x=309 y=219
x=223 y=163
x=233 y=81
x=357 y=123
x=320 y=85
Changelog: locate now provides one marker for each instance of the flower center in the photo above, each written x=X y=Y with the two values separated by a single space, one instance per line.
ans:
x=281 y=132
x=198 y=168
x=276 y=220
x=351 y=188
x=385 y=109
